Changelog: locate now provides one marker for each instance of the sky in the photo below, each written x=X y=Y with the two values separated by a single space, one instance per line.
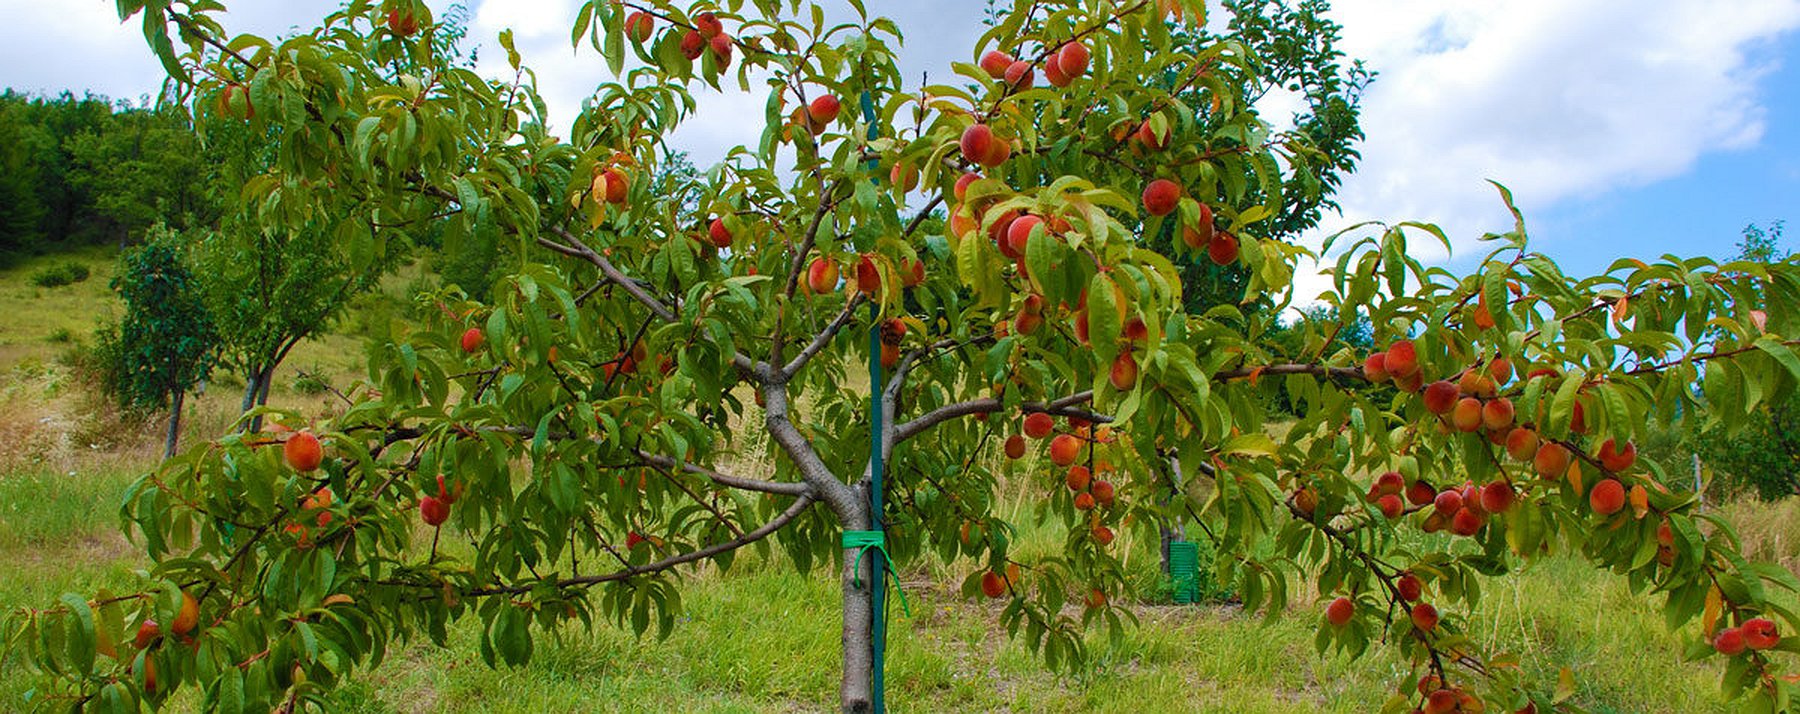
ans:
x=1625 y=128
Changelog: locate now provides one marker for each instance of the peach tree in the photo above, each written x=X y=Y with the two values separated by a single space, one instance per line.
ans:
x=672 y=373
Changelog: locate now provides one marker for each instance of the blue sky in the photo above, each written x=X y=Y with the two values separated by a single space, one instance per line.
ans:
x=1624 y=127
x=1701 y=211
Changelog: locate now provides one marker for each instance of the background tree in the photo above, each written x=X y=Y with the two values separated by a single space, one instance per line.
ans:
x=1761 y=453
x=163 y=346
x=578 y=429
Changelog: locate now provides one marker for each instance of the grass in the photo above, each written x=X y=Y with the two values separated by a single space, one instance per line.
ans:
x=762 y=637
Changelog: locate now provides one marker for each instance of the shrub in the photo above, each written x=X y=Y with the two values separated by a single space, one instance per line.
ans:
x=67 y=272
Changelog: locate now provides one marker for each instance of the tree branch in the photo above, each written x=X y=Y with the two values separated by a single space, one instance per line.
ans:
x=1060 y=407
x=767 y=529
x=823 y=338
x=786 y=488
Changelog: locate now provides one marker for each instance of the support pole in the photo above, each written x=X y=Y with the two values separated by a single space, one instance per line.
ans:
x=877 y=558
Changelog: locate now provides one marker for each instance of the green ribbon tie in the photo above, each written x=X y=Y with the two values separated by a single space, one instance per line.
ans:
x=862 y=541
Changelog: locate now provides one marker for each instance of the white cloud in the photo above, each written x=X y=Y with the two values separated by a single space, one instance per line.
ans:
x=1558 y=100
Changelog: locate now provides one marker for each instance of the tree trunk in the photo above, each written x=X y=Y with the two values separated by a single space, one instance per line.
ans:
x=174 y=426
x=855 y=692
x=252 y=385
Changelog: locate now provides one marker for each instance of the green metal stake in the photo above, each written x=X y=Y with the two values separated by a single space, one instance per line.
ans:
x=877 y=559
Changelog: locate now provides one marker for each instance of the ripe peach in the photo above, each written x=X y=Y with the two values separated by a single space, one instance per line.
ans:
x=995 y=63
x=146 y=634
x=1578 y=419
x=1497 y=414
x=977 y=143
x=719 y=233
x=1124 y=373
x=472 y=339
x=1018 y=233
x=1442 y=701
x=912 y=272
x=1521 y=443
x=1607 y=497
x=708 y=24
x=1084 y=502
x=1039 y=424
x=890 y=355
x=1467 y=521
x=1103 y=493
x=821 y=276
x=303 y=452
x=1147 y=136
x=1424 y=616
x=1402 y=358
x=1015 y=447
x=992 y=585
x=1448 y=502
x=1760 y=634
x=188 y=617
x=1064 y=449
x=1552 y=460
x=1409 y=383
x=1390 y=482
x=1136 y=330
x=868 y=277
x=1095 y=600
x=962 y=184
x=824 y=110
x=904 y=176
x=1498 y=496
x=1054 y=75
x=433 y=511
x=1409 y=587
x=1072 y=59
x=638 y=26
x=1729 y=641
x=1375 y=368
x=611 y=186
x=1466 y=415
x=1338 y=613
x=1019 y=75
x=1434 y=522
x=1198 y=237
x=1223 y=249
x=1103 y=536
x=1420 y=493
x=721 y=48
x=1614 y=459
x=1440 y=397
x=1078 y=478
x=1665 y=536
x=692 y=45
x=1500 y=370
x=1391 y=506
x=1473 y=382
x=1161 y=196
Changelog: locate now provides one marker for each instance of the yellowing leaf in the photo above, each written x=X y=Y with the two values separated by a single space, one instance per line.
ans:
x=1709 y=618
x=1565 y=686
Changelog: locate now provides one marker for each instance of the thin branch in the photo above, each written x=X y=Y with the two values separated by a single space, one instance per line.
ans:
x=824 y=337
x=1065 y=407
x=767 y=529
x=787 y=488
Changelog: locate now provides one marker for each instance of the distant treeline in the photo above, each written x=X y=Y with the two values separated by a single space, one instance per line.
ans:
x=77 y=171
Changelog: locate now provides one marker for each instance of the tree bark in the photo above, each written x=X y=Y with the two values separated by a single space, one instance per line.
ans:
x=855 y=692
x=851 y=506
x=174 y=425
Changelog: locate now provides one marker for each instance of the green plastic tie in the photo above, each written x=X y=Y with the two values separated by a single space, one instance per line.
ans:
x=863 y=541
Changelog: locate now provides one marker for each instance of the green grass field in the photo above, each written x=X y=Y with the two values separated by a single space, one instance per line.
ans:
x=759 y=638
